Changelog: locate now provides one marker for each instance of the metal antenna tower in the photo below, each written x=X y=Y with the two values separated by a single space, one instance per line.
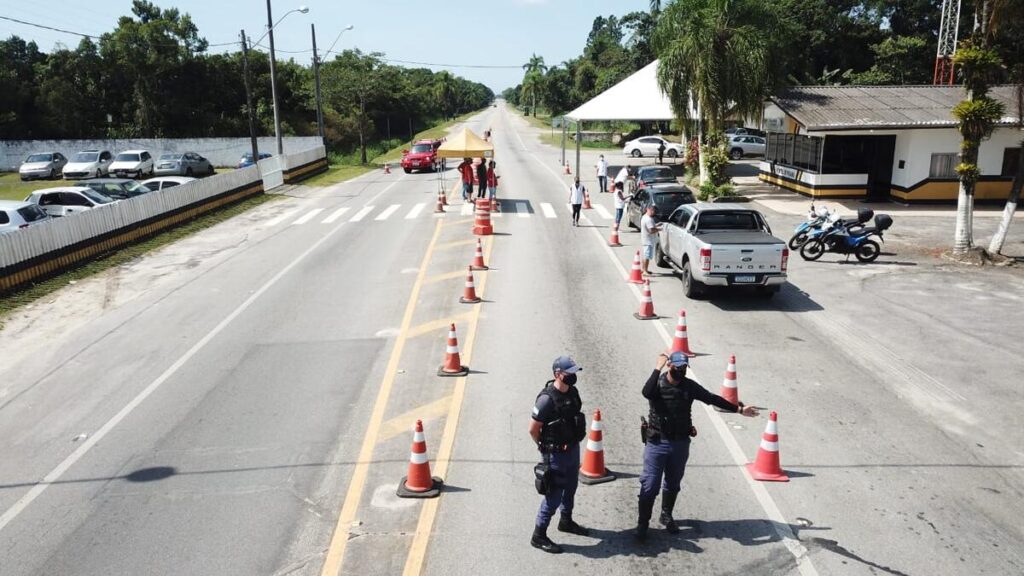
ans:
x=948 y=32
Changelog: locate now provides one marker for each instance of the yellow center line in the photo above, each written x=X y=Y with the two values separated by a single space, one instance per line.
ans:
x=400 y=424
x=418 y=549
x=336 y=550
x=448 y=245
x=448 y=276
x=436 y=325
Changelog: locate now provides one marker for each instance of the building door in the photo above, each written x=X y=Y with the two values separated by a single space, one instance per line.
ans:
x=881 y=150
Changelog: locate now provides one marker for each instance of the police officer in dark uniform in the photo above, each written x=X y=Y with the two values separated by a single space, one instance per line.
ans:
x=557 y=427
x=667 y=447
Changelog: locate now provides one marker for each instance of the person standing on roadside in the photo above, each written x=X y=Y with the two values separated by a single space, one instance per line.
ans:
x=576 y=194
x=670 y=395
x=481 y=178
x=602 y=174
x=621 y=198
x=649 y=229
x=466 y=172
x=492 y=181
x=623 y=177
x=661 y=151
x=557 y=427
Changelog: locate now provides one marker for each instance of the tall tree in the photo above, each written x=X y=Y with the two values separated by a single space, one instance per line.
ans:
x=1008 y=27
x=533 y=79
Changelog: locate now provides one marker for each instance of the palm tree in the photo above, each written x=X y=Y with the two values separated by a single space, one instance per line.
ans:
x=714 y=55
x=535 y=69
x=445 y=93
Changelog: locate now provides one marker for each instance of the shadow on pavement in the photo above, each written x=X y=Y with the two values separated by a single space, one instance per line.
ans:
x=789 y=299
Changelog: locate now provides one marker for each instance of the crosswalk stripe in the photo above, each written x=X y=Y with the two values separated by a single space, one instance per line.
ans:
x=282 y=217
x=361 y=214
x=467 y=209
x=603 y=211
x=336 y=214
x=308 y=216
x=388 y=212
x=548 y=209
x=522 y=210
x=415 y=211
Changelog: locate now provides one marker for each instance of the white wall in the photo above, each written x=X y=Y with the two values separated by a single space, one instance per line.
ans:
x=220 y=151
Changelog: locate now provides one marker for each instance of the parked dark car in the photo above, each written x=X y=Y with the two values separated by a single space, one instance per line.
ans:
x=246 y=159
x=116 y=188
x=647 y=175
x=666 y=198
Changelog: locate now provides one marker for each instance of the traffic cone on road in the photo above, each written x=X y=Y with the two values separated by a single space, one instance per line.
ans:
x=614 y=240
x=729 y=389
x=478 y=257
x=452 y=363
x=636 y=275
x=482 y=225
x=766 y=467
x=680 y=341
x=593 y=471
x=440 y=203
x=418 y=483
x=586 y=201
x=646 y=304
x=469 y=295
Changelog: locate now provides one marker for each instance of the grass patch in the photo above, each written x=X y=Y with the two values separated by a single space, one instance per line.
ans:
x=337 y=173
x=12 y=188
x=556 y=141
x=36 y=291
x=434 y=133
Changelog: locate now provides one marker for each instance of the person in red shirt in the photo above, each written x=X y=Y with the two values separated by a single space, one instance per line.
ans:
x=492 y=181
x=466 y=171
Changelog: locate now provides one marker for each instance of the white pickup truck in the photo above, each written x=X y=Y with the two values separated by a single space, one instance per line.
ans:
x=722 y=245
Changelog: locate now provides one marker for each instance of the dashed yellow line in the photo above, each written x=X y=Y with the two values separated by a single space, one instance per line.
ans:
x=456 y=244
x=443 y=277
x=402 y=424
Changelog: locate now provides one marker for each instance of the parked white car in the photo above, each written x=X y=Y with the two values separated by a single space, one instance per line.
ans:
x=88 y=164
x=42 y=165
x=66 y=200
x=740 y=146
x=132 y=164
x=16 y=215
x=165 y=182
x=648 y=146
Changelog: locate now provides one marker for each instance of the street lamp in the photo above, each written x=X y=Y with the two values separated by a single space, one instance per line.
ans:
x=273 y=70
x=316 y=77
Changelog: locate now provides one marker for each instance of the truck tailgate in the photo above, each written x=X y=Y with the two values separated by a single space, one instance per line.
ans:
x=746 y=259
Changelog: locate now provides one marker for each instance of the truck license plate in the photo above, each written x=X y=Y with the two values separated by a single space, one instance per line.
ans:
x=745 y=279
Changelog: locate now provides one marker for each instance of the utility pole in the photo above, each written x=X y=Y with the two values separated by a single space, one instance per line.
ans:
x=316 y=76
x=248 y=99
x=273 y=83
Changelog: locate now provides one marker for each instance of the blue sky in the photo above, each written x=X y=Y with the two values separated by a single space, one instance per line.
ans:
x=491 y=32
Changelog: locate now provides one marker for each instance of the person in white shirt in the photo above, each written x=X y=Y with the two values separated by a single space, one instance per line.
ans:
x=649 y=229
x=620 y=201
x=602 y=174
x=576 y=193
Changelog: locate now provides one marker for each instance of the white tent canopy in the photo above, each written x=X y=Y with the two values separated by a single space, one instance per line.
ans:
x=637 y=98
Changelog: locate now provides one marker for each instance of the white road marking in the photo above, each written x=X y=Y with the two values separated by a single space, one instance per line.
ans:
x=779 y=523
x=415 y=211
x=388 y=212
x=308 y=216
x=282 y=217
x=467 y=209
x=522 y=210
x=335 y=215
x=54 y=475
x=548 y=209
x=361 y=214
x=603 y=212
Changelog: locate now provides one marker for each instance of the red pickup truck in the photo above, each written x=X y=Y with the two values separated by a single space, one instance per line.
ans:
x=423 y=156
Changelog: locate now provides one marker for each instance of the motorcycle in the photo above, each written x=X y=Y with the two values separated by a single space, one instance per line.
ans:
x=815 y=220
x=849 y=238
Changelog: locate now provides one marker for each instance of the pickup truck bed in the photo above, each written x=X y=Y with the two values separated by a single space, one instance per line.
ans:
x=720 y=237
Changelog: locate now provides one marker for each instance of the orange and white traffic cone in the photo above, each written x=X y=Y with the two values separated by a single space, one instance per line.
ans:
x=766 y=467
x=593 y=471
x=482 y=224
x=680 y=341
x=478 y=257
x=646 y=304
x=730 y=391
x=440 y=203
x=452 y=363
x=636 y=275
x=418 y=483
x=567 y=170
x=469 y=295
x=614 y=240
x=586 y=201
x=495 y=207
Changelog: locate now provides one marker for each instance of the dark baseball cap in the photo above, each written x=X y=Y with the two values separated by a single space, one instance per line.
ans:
x=565 y=364
x=678 y=360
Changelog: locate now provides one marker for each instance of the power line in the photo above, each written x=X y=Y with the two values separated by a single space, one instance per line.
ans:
x=91 y=36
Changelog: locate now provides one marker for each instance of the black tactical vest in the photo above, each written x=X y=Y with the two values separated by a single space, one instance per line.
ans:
x=569 y=425
x=670 y=409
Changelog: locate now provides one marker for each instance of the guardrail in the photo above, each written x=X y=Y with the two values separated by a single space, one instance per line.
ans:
x=45 y=249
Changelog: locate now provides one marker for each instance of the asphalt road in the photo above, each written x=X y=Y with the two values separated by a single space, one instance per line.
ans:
x=241 y=403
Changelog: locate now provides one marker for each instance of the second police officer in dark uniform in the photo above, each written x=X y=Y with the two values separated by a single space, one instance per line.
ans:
x=667 y=446
x=558 y=426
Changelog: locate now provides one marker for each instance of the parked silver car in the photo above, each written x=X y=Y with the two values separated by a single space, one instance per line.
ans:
x=116 y=188
x=740 y=146
x=88 y=164
x=183 y=164
x=16 y=215
x=68 y=200
x=165 y=182
x=42 y=165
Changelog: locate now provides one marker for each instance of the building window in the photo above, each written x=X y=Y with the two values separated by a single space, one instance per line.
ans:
x=1011 y=162
x=943 y=166
x=794 y=150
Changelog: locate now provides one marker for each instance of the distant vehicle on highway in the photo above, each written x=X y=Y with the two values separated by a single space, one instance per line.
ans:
x=132 y=163
x=165 y=182
x=422 y=156
x=743 y=145
x=666 y=198
x=116 y=188
x=88 y=164
x=648 y=146
x=42 y=165
x=647 y=175
x=246 y=159
x=15 y=215
x=183 y=164
x=68 y=200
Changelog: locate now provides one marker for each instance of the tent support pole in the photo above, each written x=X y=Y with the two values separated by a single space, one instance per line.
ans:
x=564 y=129
x=578 y=137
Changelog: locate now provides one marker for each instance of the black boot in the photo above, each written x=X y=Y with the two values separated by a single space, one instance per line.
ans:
x=540 y=540
x=668 y=502
x=566 y=524
x=644 y=519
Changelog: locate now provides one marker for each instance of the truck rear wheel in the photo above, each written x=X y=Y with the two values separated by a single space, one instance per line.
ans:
x=692 y=289
x=659 y=257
